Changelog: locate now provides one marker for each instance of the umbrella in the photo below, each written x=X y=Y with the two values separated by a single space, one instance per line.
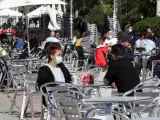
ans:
x=37 y=12
x=18 y=3
x=10 y=13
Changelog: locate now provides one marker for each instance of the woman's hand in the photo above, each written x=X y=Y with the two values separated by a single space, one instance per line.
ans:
x=114 y=85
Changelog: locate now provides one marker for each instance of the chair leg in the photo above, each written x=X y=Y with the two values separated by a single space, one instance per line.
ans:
x=2 y=80
x=23 y=106
x=27 y=103
x=31 y=105
x=42 y=110
x=13 y=102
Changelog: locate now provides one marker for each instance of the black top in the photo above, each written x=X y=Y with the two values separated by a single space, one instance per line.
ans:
x=123 y=73
x=45 y=75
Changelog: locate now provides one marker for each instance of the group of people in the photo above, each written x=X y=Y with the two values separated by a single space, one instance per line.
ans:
x=123 y=73
x=34 y=25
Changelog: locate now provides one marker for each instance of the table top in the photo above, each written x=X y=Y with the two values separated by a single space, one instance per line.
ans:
x=117 y=99
x=96 y=84
x=150 y=118
x=145 y=54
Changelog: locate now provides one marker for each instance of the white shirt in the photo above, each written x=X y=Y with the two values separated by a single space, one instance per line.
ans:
x=111 y=42
x=147 y=44
x=32 y=25
x=137 y=44
x=57 y=73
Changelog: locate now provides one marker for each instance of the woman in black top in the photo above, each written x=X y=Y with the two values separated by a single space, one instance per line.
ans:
x=55 y=70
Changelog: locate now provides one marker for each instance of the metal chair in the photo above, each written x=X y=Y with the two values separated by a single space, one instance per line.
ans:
x=67 y=105
x=145 y=106
x=51 y=86
x=101 y=113
x=22 y=81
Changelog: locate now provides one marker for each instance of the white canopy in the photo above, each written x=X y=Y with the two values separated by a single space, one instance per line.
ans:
x=17 y=3
x=9 y=13
x=37 y=12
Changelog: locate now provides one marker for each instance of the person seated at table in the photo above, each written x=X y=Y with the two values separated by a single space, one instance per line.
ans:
x=20 y=42
x=138 y=42
x=55 y=70
x=121 y=73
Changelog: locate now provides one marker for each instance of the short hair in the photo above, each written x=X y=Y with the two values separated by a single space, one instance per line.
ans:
x=118 y=50
x=52 y=50
x=129 y=26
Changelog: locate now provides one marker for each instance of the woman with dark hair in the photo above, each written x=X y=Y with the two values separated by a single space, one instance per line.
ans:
x=55 y=70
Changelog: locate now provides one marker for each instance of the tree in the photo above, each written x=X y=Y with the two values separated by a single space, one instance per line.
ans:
x=97 y=13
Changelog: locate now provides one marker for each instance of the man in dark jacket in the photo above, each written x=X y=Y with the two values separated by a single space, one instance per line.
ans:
x=126 y=42
x=20 y=27
x=121 y=73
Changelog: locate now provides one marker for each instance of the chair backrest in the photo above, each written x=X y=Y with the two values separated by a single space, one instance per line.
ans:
x=67 y=102
x=155 y=96
x=16 y=73
x=30 y=81
x=102 y=113
x=149 y=82
x=46 y=88
x=141 y=91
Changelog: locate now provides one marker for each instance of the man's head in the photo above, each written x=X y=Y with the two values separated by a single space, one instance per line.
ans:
x=130 y=29
x=149 y=30
x=23 y=20
x=126 y=41
x=110 y=35
x=117 y=51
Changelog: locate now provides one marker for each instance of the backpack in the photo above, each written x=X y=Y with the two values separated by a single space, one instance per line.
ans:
x=101 y=56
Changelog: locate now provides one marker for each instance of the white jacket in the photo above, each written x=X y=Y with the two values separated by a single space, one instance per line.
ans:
x=111 y=42
x=147 y=44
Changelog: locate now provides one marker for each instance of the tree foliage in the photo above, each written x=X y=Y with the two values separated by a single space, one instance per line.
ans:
x=97 y=13
x=153 y=22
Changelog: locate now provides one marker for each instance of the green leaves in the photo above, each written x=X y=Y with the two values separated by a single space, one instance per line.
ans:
x=96 y=15
x=148 y=22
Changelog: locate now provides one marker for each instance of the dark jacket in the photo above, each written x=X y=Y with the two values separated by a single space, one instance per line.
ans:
x=123 y=74
x=129 y=55
x=45 y=75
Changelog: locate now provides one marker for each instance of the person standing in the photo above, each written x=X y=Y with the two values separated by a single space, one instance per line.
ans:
x=20 y=28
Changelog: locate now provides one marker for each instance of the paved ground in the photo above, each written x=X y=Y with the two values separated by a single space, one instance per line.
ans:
x=5 y=102
x=4 y=108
